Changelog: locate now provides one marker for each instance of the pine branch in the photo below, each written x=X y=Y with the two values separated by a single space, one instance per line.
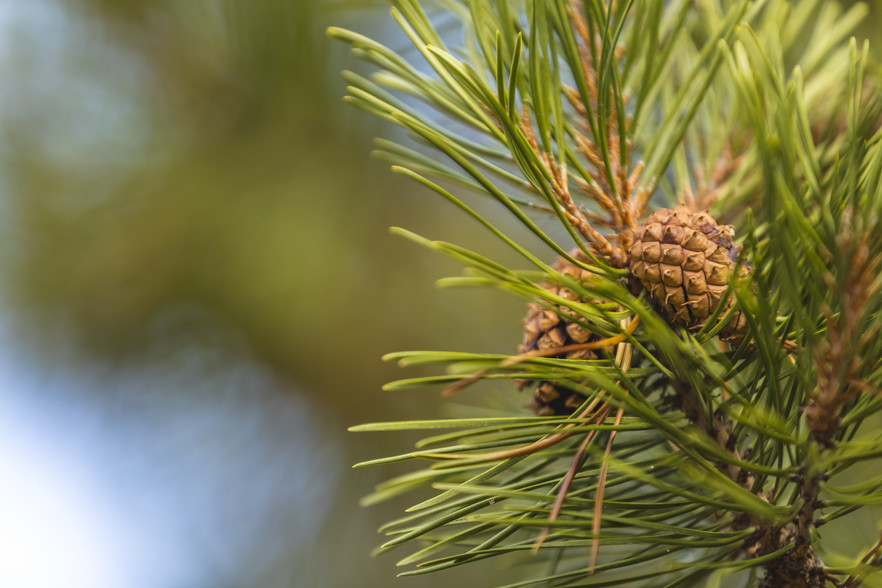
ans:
x=696 y=417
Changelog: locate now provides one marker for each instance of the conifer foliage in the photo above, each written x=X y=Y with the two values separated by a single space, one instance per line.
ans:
x=702 y=336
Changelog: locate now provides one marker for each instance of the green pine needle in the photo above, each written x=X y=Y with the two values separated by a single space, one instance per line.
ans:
x=709 y=456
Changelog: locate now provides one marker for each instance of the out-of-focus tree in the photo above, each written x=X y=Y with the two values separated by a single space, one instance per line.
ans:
x=163 y=156
x=199 y=152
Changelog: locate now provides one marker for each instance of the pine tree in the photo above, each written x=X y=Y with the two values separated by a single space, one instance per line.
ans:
x=723 y=393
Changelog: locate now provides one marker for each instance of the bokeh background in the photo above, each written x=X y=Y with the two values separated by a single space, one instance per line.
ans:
x=197 y=287
x=198 y=284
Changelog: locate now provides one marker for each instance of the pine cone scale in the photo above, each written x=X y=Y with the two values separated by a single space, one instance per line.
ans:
x=547 y=329
x=684 y=260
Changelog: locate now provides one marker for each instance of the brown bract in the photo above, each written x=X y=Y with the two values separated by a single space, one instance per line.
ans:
x=684 y=259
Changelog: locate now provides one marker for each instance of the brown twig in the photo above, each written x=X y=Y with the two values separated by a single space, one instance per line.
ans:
x=568 y=481
x=602 y=343
x=568 y=431
x=598 y=500
x=623 y=359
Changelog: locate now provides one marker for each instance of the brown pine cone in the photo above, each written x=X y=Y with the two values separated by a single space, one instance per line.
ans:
x=546 y=328
x=683 y=259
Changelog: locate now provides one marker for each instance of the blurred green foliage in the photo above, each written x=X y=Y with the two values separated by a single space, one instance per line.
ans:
x=201 y=152
x=163 y=154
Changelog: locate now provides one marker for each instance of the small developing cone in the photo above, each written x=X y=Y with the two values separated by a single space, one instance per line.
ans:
x=683 y=259
x=545 y=329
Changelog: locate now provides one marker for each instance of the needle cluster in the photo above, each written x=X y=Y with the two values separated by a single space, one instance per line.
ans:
x=708 y=393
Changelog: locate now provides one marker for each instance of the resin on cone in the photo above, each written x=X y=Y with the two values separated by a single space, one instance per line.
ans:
x=684 y=259
x=547 y=328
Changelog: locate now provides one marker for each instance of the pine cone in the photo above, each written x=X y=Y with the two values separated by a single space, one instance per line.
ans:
x=684 y=259
x=546 y=328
